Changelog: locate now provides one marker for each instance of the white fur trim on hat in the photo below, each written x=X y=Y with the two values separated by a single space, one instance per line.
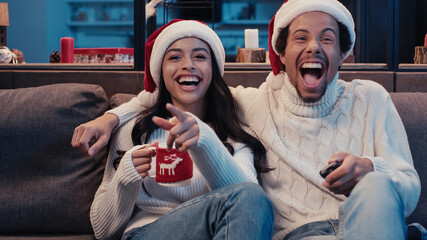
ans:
x=148 y=99
x=293 y=8
x=180 y=30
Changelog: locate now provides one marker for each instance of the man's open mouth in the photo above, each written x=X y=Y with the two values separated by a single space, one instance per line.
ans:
x=311 y=73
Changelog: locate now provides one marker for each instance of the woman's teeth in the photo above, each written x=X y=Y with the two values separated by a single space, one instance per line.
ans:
x=188 y=81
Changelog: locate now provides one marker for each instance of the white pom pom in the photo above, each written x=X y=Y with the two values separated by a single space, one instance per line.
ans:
x=147 y=99
x=275 y=82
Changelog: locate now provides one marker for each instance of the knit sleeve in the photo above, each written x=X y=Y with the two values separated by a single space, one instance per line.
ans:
x=115 y=198
x=217 y=165
x=393 y=155
x=128 y=110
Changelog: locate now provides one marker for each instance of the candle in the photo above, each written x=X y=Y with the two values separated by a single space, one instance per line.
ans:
x=251 y=38
x=67 y=50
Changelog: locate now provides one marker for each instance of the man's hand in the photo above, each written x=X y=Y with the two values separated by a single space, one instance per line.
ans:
x=343 y=179
x=98 y=129
x=183 y=129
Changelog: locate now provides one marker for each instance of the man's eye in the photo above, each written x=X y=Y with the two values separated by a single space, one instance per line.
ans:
x=327 y=40
x=301 y=38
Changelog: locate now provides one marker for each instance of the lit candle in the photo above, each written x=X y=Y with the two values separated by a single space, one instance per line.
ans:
x=67 y=50
x=251 y=38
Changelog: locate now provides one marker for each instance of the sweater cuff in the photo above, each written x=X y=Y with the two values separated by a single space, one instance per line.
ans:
x=213 y=159
x=379 y=164
x=126 y=111
x=126 y=171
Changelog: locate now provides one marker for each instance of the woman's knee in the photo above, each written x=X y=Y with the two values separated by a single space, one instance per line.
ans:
x=253 y=198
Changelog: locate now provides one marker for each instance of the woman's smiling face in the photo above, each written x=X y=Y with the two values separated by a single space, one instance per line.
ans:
x=187 y=73
x=312 y=55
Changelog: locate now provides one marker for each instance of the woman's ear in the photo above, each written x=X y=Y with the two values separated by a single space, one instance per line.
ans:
x=282 y=58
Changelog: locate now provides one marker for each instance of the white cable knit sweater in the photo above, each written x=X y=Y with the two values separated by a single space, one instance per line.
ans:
x=125 y=201
x=357 y=117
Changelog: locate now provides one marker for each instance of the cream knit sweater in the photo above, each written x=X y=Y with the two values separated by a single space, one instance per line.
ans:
x=357 y=117
x=125 y=201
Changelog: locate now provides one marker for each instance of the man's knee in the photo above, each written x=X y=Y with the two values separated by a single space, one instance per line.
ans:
x=378 y=188
x=375 y=182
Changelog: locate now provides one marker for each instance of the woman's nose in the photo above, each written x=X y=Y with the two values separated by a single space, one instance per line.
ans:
x=187 y=63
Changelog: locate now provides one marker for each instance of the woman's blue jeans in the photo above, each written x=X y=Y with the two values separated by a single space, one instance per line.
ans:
x=237 y=211
x=373 y=210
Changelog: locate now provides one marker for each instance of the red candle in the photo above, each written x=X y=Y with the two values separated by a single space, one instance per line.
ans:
x=67 y=50
x=425 y=41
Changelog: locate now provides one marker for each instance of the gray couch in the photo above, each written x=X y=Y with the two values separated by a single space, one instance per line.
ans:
x=47 y=186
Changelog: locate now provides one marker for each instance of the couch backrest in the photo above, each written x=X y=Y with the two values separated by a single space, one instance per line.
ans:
x=46 y=185
x=412 y=108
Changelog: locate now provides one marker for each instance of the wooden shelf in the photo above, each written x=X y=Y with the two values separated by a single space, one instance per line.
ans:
x=100 y=24
x=409 y=66
x=67 y=66
x=229 y=66
x=99 y=1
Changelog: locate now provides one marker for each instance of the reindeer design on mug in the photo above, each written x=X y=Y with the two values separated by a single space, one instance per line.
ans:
x=171 y=167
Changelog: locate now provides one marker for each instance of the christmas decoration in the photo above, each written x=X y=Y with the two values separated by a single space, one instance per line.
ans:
x=7 y=56
x=55 y=57
x=19 y=55
x=420 y=56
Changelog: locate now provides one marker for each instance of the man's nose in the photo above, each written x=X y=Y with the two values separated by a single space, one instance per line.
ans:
x=313 y=47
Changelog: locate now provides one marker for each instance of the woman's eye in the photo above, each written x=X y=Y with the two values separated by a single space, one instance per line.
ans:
x=174 y=57
x=200 y=56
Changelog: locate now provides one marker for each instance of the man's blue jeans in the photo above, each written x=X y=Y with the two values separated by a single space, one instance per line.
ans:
x=237 y=211
x=373 y=210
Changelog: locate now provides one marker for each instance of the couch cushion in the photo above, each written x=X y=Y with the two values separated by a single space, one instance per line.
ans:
x=46 y=185
x=413 y=112
x=120 y=98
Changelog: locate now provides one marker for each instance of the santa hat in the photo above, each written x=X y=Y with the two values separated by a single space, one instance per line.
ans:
x=291 y=9
x=162 y=38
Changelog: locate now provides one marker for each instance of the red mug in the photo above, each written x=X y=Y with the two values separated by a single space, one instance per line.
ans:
x=171 y=168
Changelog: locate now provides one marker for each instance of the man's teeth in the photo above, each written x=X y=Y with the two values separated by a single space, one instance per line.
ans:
x=312 y=65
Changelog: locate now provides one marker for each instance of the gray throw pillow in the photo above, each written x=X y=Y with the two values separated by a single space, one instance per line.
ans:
x=46 y=185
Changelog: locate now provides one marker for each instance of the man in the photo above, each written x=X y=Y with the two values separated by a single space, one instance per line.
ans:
x=308 y=118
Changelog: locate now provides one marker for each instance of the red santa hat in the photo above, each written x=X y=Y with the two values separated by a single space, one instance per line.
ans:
x=162 y=38
x=291 y=9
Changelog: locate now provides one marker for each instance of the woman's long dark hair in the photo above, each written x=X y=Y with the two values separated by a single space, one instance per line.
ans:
x=223 y=120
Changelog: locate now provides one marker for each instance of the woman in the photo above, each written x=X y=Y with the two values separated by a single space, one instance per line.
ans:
x=193 y=110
